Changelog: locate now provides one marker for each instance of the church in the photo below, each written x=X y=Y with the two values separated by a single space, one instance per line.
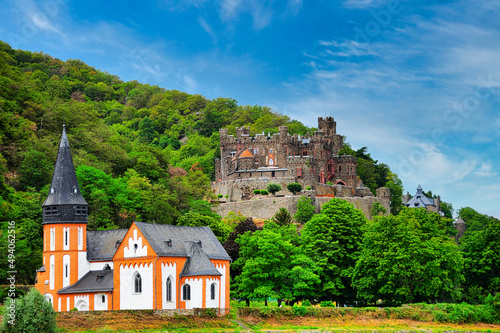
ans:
x=147 y=266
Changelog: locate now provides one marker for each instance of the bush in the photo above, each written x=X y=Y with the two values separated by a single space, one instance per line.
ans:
x=308 y=188
x=327 y=304
x=33 y=313
x=306 y=302
x=256 y=191
x=329 y=183
x=226 y=196
x=264 y=192
x=273 y=188
x=300 y=310
x=219 y=195
x=294 y=187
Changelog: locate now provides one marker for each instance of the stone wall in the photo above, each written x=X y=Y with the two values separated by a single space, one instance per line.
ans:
x=265 y=208
x=242 y=189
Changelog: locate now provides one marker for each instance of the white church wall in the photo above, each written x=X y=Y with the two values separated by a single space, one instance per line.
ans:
x=82 y=302
x=129 y=299
x=212 y=303
x=166 y=271
x=83 y=264
x=98 y=303
x=196 y=293
x=222 y=270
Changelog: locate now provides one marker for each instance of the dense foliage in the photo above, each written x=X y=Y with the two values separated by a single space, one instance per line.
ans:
x=408 y=258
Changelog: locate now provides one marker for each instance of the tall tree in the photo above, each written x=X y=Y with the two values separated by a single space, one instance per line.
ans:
x=332 y=239
x=408 y=258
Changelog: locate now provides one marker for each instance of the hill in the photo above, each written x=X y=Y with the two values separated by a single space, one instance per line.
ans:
x=141 y=152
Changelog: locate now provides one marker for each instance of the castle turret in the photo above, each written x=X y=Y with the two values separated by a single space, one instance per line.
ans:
x=328 y=126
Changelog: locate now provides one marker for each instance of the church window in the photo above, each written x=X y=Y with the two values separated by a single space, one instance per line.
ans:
x=80 y=238
x=66 y=237
x=66 y=270
x=137 y=283
x=52 y=239
x=103 y=299
x=212 y=291
x=169 y=289
x=186 y=292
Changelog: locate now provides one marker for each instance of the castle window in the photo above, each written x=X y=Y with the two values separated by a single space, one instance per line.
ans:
x=304 y=153
x=340 y=168
x=255 y=151
x=186 y=292
x=271 y=161
x=168 y=289
x=137 y=283
x=212 y=291
x=271 y=150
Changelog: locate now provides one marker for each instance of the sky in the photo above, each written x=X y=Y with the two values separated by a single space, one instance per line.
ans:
x=417 y=82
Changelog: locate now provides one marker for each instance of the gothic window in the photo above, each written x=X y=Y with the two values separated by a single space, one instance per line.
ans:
x=66 y=237
x=340 y=168
x=66 y=270
x=212 y=291
x=271 y=161
x=186 y=292
x=169 y=289
x=103 y=299
x=137 y=283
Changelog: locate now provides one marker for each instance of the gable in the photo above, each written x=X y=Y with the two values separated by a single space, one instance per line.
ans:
x=134 y=245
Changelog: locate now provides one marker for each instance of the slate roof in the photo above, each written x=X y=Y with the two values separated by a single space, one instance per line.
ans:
x=197 y=262
x=93 y=281
x=158 y=235
x=419 y=200
x=101 y=244
x=64 y=189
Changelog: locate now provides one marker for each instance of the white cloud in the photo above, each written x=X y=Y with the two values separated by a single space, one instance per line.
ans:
x=203 y=23
x=485 y=170
x=362 y=4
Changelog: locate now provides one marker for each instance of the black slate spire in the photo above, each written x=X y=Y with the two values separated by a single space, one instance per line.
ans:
x=65 y=203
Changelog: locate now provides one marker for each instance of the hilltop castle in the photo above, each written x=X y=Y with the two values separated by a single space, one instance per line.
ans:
x=251 y=163
x=310 y=159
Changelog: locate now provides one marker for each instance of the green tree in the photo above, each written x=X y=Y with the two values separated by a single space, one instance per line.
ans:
x=33 y=314
x=273 y=265
x=35 y=170
x=273 y=188
x=146 y=130
x=294 y=188
x=408 y=258
x=396 y=186
x=377 y=209
x=220 y=229
x=480 y=246
x=332 y=239
x=305 y=210
x=282 y=217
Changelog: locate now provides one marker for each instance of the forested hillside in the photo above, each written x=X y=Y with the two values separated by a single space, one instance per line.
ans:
x=141 y=152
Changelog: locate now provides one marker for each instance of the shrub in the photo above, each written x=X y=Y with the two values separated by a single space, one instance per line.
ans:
x=256 y=191
x=306 y=302
x=308 y=188
x=273 y=188
x=305 y=210
x=219 y=195
x=300 y=310
x=226 y=196
x=264 y=192
x=329 y=183
x=327 y=304
x=294 y=187
x=33 y=314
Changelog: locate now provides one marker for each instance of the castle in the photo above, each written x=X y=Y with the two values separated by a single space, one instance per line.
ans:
x=251 y=163
x=310 y=159
x=147 y=266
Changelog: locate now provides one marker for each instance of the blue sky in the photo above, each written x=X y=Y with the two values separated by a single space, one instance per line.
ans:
x=417 y=82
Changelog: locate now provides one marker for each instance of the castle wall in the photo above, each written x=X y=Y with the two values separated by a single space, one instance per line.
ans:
x=266 y=208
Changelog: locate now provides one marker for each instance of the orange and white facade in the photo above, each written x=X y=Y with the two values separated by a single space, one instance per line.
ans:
x=147 y=266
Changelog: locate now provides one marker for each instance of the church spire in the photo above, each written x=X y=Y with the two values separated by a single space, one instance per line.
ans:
x=65 y=203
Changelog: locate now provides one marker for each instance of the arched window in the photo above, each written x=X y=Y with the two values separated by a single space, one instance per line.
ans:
x=212 y=291
x=271 y=161
x=137 y=283
x=169 y=289
x=186 y=292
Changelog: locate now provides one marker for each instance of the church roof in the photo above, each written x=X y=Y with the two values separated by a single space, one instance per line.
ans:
x=102 y=244
x=197 y=262
x=64 y=189
x=93 y=281
x=159 y=235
